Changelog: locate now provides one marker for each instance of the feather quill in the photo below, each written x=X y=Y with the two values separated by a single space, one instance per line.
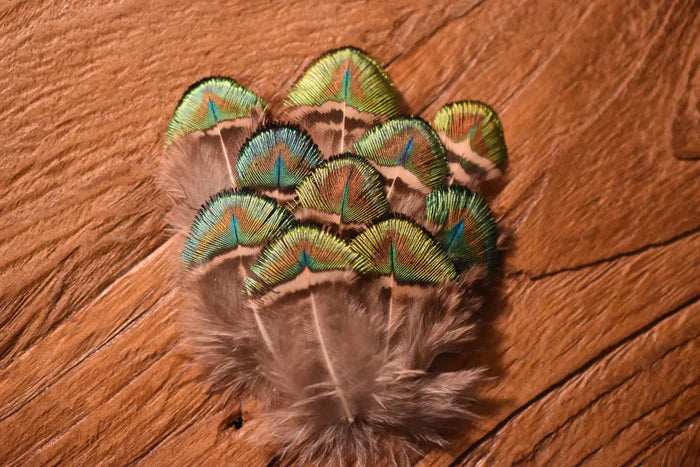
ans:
x=329 y=269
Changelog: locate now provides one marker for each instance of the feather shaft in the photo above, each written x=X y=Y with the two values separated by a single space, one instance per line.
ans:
x=225 y=154
x=256 y=314
x=342 y=127
x=324 y=350
x=390 y=314
x=391 y=190
x=346 y=96
x=263 y=331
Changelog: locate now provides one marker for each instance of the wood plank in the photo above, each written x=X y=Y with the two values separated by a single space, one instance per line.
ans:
x=612 y=410
x=601 y=287
x=87 y=331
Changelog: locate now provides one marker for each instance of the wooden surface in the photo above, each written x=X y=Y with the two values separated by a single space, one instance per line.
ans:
x=594 y=342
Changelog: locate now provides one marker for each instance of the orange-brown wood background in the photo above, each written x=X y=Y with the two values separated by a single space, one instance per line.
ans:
x=594 y=346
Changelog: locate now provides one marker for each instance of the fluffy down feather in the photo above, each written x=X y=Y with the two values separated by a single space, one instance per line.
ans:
x=221 y=331
x=403 y=401
x=409 y=203
x=199 y=157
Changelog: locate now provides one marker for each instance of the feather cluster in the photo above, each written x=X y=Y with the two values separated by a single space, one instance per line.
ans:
x=332 y=265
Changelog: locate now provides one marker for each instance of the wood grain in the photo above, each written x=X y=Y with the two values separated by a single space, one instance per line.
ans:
x=593 y=341
x=612 y=411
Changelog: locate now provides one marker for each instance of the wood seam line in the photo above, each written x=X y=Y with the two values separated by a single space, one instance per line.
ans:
x=200 y=410
x=598 y=262
x=106 y=290
x=575 y=415
x=593 y=402
x=658 y=441
x=41 y=445
x=194 y=419
x=580 y=370
x=421 y=42
x=92 y=352
x=630 y=423
x=17 y=303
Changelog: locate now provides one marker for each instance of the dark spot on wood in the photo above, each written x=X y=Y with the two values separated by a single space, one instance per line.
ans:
x=234 y=420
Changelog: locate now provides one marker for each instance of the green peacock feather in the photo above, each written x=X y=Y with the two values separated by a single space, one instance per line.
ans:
x=408 y=143
x=231 y=219
x=345 y=186
x=277 y=158
x=209 y=102
x=350 y=76
x=475 y=124
x=397 y=247
x=467 y=226
x=301 y=247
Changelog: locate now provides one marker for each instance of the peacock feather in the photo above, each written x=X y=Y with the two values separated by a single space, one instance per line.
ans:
x=211 y=102
x=399 y=248
x=343 y=94
x=466 y=226
x=302 y=248
x=406 y=148
x=344 y=190
x=473 y=134
x=361 y=247
x=277 y=159
x=231 y=220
